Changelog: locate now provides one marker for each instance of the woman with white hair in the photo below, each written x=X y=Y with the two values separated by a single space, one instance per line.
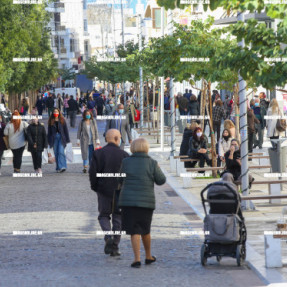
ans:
x=137 y=198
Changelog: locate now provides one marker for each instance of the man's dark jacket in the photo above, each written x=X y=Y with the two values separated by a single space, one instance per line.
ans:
x=106 y=160
x=73 y=105
x=50 y=103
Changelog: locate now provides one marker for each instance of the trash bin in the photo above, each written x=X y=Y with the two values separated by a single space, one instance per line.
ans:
x=277 y=155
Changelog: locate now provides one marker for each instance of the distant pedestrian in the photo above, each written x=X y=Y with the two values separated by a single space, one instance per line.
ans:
x=273 y=111
x=59 y=102
x=91 y=105
x=108 y=160
x=50 y=104
x=193 y=106
x=88 y=138
x=58 y=137
x=37 y=141
x=15 y=130
x=110 y=108
x=251 y=124
x=259 y=112
x=137 y=197
x=39 y=105
x=73 y=109
x=122 y=124
x=100 y=103
x=2 y=142
x=218 y=114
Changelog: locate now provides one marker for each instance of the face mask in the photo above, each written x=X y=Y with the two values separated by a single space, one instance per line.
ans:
x=120 y=142
x=55 y=115
x=236 y=148
x=256 y=104
x=88 y=117
x=121 y=112
x=199 y=134
x=112 y=105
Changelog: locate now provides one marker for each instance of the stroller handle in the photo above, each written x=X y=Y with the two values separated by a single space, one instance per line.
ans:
x=237 y=196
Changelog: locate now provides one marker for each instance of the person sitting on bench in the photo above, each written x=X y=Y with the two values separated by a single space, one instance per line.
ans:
x=233 y=163
x=187 y=135
x=198 y=148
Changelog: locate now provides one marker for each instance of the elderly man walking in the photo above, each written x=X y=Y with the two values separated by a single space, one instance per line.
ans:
x=108 y=160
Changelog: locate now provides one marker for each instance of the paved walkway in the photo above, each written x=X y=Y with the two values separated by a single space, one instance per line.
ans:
x=70 y=253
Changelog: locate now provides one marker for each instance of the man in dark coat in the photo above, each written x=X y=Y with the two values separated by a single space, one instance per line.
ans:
x=108 y=160
x=50 y=104
x=73 y=108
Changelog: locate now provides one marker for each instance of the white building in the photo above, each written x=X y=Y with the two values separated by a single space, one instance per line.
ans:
x=69 y=33
x=105 y=27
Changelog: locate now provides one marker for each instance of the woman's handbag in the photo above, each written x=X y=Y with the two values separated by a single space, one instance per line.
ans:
x=115 y=208
x=281 y=125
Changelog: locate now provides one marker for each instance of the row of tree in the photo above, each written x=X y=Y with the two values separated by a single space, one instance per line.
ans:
x=162 y=56
x=24 y=34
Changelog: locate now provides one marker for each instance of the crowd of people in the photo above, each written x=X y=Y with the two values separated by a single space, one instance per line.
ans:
x=261 y=115
x=135 y=174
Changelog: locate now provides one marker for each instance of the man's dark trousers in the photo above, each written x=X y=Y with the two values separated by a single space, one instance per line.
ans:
x=105 y=213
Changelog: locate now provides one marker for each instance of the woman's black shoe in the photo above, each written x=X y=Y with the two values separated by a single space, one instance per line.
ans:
x=149 y=261
x=136 y=264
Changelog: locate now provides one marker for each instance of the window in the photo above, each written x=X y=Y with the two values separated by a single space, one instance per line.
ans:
x=72 y=45
x=85 y=4
x=86 y=43
x=85 y=25
x=156 y=18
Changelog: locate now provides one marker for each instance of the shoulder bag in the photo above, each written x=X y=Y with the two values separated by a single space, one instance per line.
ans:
x=281 y=124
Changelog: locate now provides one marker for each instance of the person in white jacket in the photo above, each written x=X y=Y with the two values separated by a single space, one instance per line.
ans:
x=224 y=145
x=16 y=137
x=273 y=111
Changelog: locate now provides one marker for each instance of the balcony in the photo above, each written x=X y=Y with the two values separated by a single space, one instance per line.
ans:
x=56 y=7
x=59 y=30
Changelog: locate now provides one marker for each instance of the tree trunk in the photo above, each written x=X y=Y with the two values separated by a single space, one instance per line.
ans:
x=213 y=148
x=158 y=110
x=202 y=104
x=235 y=106
x=153 y=105
x=147 y=98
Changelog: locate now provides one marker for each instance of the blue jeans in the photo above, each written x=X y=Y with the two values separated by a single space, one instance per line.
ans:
x=90 y=155
x=59 y=153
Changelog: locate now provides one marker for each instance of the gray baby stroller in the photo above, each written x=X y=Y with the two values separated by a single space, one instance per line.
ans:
x=225 y=231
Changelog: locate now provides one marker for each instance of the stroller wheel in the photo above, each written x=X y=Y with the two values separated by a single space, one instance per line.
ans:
x=218 y=258
x=239 y=255
x=203 y=255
